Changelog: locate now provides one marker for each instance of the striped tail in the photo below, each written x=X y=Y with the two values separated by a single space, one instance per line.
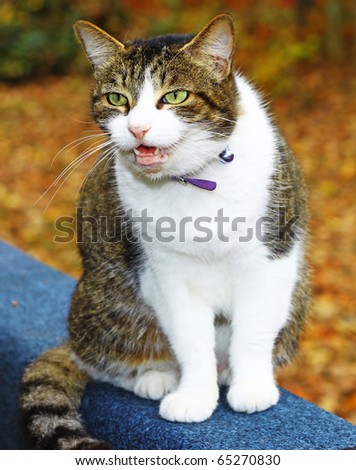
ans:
x=52 y=388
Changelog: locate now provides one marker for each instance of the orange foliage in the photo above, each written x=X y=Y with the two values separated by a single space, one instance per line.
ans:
x=315 y=107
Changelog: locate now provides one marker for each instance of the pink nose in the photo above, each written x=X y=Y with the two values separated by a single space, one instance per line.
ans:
x=139 y=131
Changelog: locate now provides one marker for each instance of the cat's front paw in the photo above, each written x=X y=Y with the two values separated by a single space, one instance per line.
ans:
x=155 y=384
x=252 y=396
x=188 y=407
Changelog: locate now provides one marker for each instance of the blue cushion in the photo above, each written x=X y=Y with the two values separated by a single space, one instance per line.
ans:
x=34 y=301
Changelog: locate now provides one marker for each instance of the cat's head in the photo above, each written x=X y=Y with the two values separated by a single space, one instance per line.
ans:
x=169 y=102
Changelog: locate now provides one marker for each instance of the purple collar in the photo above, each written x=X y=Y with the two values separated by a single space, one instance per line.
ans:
x=203 y=184
x=226 y=156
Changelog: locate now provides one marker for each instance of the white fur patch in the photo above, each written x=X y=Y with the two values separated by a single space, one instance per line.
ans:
x=187 y=282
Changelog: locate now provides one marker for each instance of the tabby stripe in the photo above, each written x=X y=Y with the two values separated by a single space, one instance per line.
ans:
x=156 y=67
x=163 y=76
x=61 y=432
x=208 y=100
x=28 y=386
x=91 y=444
x=47 y=410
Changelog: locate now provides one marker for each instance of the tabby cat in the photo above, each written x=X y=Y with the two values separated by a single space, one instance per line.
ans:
x=198 y=276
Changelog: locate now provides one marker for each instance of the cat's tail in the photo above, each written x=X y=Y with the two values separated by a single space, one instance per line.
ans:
x=52 y=387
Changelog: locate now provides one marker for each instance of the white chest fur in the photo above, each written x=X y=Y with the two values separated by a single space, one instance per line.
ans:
x=190 y=219
x=203 y=234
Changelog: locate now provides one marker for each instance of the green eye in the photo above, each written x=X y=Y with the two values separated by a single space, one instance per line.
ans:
x=175 y=97
x=117 y=99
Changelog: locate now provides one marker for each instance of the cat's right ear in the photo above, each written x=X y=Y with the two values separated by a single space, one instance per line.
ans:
x=214 y=45
x=98 y=45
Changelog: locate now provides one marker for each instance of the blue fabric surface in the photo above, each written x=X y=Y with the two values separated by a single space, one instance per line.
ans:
x=34 y=301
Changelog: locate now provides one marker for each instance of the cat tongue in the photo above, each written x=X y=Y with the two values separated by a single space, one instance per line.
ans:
x=146 y=150
x=149 y=155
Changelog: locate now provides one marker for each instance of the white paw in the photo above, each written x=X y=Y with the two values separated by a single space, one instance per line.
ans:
x=155 y=384
x=252 y=396
x=188 y=407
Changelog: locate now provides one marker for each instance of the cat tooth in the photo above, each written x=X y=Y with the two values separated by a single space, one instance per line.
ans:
x=137 y=152
x=156 y=151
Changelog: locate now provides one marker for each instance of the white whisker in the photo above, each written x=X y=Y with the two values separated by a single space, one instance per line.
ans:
x=86 y=153
x=65 y=174
x=76 y=143
x=65 y=179
x=107 y=153
x=81 y=122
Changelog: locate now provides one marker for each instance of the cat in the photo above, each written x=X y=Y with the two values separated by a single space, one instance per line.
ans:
x=171 y=316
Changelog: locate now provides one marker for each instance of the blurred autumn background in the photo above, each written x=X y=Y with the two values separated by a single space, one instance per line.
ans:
x=300 y=53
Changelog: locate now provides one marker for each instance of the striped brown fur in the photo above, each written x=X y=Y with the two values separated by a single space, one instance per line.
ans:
x=108 y=324
x=52 y=387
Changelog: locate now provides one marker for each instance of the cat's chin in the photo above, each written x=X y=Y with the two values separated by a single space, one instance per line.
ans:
x=153 y=172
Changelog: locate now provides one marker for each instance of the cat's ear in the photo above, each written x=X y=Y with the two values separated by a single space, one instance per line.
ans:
x=98 y=45
x=215 y=42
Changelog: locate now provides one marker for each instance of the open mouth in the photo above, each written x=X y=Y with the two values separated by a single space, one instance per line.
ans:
x=150 y=156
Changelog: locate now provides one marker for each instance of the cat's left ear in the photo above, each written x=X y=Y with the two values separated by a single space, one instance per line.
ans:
x=215 y=42
x=99 y=46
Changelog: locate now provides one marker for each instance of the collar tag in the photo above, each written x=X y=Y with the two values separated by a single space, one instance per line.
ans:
x=203 y=184
x=199 y=183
